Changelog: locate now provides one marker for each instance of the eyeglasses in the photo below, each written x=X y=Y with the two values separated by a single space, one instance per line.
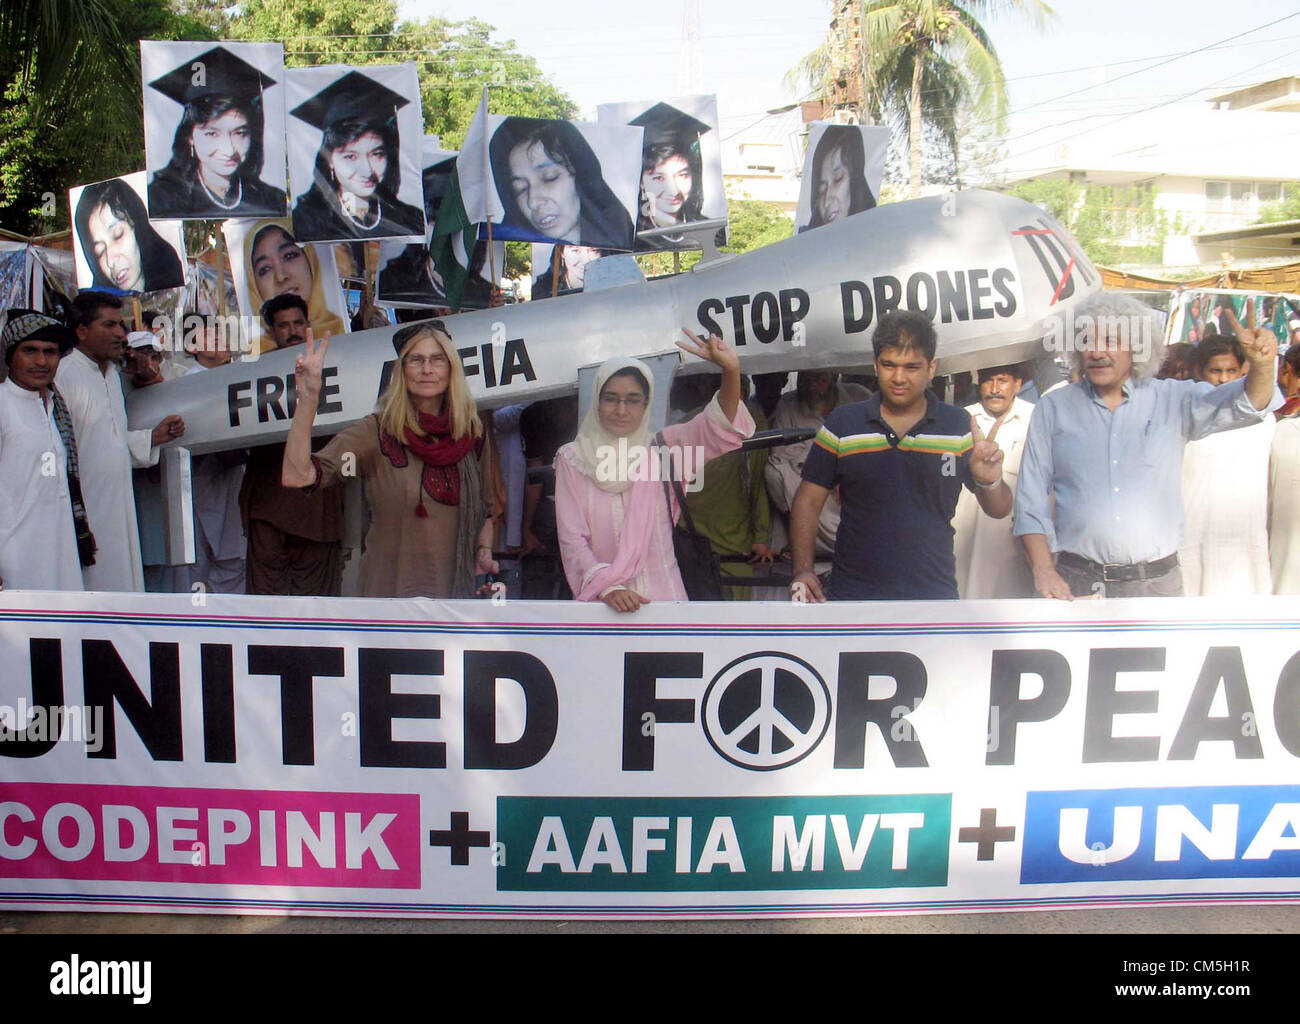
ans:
x=420 y=362
x=630 y=402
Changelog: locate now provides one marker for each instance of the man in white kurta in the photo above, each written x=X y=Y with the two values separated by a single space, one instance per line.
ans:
x=89 y=380
x=1284 y=506
x=38 y=541
x=1224 y=550
x=990 y=561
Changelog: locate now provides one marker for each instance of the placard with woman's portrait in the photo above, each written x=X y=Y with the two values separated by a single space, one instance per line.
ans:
x=552 y=181
x=214 y=129
x=564 y=272
x=842 y=172
x=266 y=261
x=407 y=275
x=117 y=247
x=680 y=179
x=355 y=139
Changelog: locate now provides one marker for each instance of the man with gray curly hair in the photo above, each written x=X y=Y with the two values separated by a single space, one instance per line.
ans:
x=1099 y=507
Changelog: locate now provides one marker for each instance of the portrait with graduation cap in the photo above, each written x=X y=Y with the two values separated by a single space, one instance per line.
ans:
x=219 y=149
x=356 y=176
x=672 y=173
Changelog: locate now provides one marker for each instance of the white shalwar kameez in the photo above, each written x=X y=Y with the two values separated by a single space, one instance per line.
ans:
x=106 y=452
x=1284 y=507
x=991 y=562
x=1224 y=550
x=38 y=540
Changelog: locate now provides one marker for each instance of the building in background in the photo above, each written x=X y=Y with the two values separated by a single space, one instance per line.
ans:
x=1155 y=182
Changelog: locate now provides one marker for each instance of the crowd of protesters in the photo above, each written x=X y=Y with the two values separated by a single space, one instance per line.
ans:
x=1146 y=473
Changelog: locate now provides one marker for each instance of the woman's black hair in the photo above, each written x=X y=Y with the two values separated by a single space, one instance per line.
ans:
x=604 y=222
x=689 y=150
x=159 y=263
x=634 y=374
x=347 y=131
x=848 y=140
x=184 y=165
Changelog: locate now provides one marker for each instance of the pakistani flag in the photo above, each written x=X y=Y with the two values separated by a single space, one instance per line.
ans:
x=453 y=240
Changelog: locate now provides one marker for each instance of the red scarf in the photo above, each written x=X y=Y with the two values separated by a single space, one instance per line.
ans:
x=440 y=453
x=1289 y=408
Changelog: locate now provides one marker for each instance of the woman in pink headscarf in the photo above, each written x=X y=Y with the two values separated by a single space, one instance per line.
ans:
x=612 y=515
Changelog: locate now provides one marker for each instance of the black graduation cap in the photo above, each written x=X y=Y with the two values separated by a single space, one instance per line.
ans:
x=353 y=96
x=224 y=74
x=664 y=123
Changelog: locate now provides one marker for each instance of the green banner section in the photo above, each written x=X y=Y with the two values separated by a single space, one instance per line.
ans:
x=674 y=844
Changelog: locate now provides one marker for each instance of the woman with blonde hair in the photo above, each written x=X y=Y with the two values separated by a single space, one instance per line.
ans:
x=421 y=455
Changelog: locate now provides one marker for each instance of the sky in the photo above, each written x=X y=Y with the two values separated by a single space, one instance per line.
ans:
x=1095 y=64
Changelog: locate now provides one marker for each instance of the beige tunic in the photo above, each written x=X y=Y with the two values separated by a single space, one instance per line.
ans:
x=404 y=555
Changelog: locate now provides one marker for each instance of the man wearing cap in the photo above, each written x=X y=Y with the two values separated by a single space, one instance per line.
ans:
x=144 y=368
x=1099 y=503
x=217 y=151
x=88 y=379
x=990 y=561
x=295 y=537
x=41 y=514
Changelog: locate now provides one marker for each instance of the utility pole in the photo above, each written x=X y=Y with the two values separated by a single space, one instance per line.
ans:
x=844 y=46
x=690 y=59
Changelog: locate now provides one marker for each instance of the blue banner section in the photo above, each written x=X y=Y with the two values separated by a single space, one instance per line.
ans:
x=1097 y=835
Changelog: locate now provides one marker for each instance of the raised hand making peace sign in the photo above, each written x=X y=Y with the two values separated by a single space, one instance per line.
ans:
x=722 y=355
x=986 y=456
x=309 y=365
x=1260 y=343
x=1260 y=346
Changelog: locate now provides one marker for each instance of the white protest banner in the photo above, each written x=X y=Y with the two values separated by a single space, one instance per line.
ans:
x=998 y=276
x=299 y=756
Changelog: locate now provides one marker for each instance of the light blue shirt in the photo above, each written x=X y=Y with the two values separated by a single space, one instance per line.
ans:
x=1117 y=476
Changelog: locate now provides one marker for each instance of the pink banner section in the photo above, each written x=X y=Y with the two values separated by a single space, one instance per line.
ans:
x=215 y=836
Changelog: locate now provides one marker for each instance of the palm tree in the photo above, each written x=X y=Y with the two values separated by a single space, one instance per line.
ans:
x=52 y=46
x=922 y=61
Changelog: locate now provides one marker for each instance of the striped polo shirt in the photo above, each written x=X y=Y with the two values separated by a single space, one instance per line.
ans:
x=897 y=496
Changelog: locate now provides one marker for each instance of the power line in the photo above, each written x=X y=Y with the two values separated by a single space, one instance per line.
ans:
x=1142 y=110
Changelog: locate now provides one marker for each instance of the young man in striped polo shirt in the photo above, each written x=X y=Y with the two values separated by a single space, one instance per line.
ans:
x=899 y=461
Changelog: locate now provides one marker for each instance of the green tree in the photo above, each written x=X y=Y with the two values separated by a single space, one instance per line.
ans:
x=70 y=99
x=1113 y=225
x=454 y=59
x=1287 y=209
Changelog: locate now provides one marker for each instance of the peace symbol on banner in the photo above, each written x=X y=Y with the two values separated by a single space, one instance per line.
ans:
x=765 y=711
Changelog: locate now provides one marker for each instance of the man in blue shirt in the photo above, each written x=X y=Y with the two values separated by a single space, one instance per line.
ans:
x=899 y=461
x=1099 y=504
